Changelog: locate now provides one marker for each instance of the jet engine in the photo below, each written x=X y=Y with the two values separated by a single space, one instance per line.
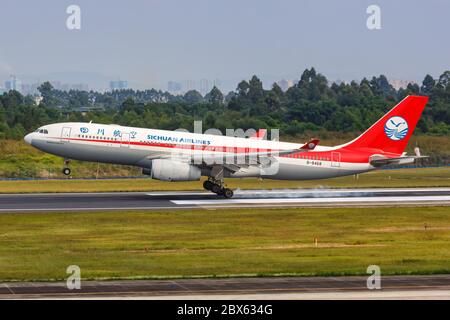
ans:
x=169 y=170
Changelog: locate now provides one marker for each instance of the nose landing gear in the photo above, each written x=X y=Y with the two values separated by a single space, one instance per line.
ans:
x=218 y=187
x=66 y=170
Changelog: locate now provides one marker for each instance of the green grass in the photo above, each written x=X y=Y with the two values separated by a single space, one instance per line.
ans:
x=208 y=243
x=423 y=177
x=19 y=160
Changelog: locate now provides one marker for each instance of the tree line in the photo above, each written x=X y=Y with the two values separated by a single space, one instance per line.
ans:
x=313 y=104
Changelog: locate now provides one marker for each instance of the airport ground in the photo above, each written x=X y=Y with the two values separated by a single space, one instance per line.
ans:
x=393 y=178
x=214 y=242
x=224 y=243
x=262 y=288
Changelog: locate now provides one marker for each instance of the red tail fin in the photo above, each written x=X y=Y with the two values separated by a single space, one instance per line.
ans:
x=392 y=132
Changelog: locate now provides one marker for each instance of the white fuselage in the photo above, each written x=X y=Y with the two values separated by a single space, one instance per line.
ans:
x=139 y=146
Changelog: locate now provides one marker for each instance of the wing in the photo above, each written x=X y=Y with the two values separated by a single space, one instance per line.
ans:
x=235 y=162
x=230 y=161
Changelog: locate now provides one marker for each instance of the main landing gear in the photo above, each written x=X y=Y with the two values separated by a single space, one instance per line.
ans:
x=66 y=170
x=215 y=183
x=217 y=186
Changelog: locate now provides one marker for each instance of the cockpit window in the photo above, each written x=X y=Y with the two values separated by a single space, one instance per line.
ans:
x=44 y=131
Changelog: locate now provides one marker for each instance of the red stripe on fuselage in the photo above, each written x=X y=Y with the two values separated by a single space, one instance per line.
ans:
x=338 y=155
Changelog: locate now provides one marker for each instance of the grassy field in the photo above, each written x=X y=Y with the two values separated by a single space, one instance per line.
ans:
x=211 y=243
x=423 y=177
x=19 y=160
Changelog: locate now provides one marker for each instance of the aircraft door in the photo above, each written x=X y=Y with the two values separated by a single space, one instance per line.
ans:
x=125 y=142
x=335 y=159
x=65 y=134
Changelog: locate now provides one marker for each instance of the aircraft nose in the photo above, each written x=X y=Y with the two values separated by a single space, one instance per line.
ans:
x=28 y=138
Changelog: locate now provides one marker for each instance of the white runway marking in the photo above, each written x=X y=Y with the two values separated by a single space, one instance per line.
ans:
x=92 y=209
x=172 y=193
x=288 y=192
x=313 y=200
x=345 y=190
x=348 y=295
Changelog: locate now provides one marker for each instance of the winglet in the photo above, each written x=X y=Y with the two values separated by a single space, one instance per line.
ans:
x=310 y=145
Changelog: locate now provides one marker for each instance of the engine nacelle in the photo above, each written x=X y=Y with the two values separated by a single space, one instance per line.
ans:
x=169 y=170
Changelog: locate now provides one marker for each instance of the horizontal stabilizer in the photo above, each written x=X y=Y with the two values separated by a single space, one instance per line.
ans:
x=380 y=162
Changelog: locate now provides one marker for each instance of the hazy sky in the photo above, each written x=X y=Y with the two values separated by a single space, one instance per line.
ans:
x=151 y=42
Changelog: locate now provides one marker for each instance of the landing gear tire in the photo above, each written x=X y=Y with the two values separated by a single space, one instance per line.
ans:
x=227 y=193
x=208 y=185
x=216 y=188
x=66 y=171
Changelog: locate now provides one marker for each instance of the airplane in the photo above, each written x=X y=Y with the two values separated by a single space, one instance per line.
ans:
x=184 y=156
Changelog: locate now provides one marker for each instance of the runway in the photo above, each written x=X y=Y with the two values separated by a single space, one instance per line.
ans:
x=243 y=199
x=355 y=287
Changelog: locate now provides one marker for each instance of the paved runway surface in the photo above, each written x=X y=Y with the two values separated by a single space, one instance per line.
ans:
x=260 y=288
x=243 y=198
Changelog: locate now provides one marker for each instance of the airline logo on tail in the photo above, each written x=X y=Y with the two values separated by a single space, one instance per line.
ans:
x=396 y=128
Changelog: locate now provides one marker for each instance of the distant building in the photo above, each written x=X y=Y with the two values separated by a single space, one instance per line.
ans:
x=189 y=85
x=68 y=86
x=30 y=89
x=174 y=87
x=79 y=87
x=204 y=87
x=398 y=83
x=285 y=84
x=57 y=85
x=13 y=84
x=118 y=85
x=217 y=83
